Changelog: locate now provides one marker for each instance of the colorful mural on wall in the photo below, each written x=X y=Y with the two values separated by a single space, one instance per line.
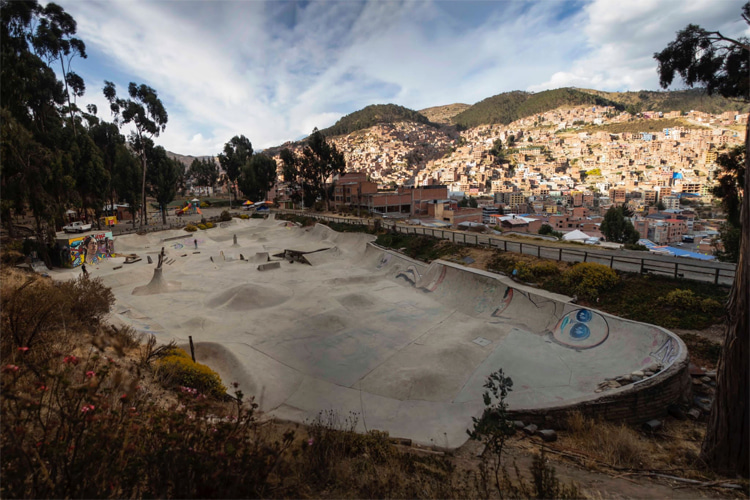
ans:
x=90 y=248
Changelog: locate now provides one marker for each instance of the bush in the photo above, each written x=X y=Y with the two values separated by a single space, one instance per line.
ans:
x=205 y=204
x=244 y=216
x=686 y=300
x=587 y=279
x=191 y=228
x=178 y=368
x=544 y=269
x=225 y=216
x=209 y=225
x=202 y=227
x=636 y=246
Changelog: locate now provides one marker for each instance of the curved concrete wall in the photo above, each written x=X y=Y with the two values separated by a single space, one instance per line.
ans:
x=559 y=355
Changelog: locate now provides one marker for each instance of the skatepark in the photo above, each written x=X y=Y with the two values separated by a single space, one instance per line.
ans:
x=309 y=320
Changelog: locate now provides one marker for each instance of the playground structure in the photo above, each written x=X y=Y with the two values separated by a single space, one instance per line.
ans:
x=338 y=323
x=191 y=207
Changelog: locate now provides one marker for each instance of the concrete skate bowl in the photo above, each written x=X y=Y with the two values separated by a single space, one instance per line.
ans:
x=405 y=345
x=559 y=355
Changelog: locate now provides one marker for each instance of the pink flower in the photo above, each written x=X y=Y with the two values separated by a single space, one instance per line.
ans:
x=90 y=374
x=41 y=388
x=310 y=442
x=10 y=368
x=87 y=408
x=23 y=349
x=70 y=360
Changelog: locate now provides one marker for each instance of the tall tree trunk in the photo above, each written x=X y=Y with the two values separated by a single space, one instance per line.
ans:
x=725 y=447
x=143 y=186
x=67 y=95
x=164 y=214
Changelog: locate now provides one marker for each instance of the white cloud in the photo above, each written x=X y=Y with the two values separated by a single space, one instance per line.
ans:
x=623 y=36
x=274 y=70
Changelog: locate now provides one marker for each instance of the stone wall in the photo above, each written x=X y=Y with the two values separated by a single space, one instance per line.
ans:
x=631 y=404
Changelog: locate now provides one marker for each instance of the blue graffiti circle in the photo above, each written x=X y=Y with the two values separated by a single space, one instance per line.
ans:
x=584 y=316
x=579 y=331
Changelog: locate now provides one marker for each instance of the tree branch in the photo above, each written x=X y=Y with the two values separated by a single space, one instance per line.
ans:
x=719 y=36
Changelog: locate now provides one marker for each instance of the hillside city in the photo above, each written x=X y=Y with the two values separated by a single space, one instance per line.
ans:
x=565 y=167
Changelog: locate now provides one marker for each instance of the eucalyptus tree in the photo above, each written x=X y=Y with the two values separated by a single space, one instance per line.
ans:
x=203 y=172
x=54 y=40
x=257 y=177
x=145 y=111
x=311 y=170
x=722 y=65
x=237 y=152
x=163 y=176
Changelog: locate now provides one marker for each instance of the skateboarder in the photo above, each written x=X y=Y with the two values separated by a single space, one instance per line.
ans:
x=85 y=272
x=195 y=242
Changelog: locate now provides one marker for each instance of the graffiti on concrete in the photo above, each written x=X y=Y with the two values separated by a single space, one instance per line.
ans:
x=581 y=329
x=667 y=352
x=507 y=298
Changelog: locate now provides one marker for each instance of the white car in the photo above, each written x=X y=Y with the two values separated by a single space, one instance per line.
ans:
x=77 y=227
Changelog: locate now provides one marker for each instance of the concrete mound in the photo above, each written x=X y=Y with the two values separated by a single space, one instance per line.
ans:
x=157 y=285
x=247 y=297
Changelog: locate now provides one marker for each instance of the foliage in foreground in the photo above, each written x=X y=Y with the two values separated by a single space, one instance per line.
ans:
x=492 y=429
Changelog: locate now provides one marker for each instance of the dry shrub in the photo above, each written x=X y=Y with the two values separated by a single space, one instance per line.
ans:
x=615 y=444
x=44 y=315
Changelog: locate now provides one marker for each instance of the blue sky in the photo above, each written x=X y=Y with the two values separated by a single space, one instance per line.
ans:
x=274 y=70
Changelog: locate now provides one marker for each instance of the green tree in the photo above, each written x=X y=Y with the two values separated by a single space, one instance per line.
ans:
x=722 y=65
x=497 y=151
x=54 y=41
x=126 y=178
x=546 y=229
x=146 y=112
x=290 y=171
x=257 y=177
x=91 y=177
x=615 y=227
x=660 y=205
x=203 y=172
x=494 y=427
x=310 y=171
x=237 y=152
x=163 y=176
x=108 y=139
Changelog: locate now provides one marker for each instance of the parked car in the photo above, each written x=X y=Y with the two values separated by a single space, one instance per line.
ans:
x=77 y=227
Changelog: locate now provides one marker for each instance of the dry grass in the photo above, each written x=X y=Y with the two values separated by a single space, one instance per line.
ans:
x=615 y=444
x=675 y=448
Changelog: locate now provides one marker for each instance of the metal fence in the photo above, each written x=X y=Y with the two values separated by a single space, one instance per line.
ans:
x=678 y=267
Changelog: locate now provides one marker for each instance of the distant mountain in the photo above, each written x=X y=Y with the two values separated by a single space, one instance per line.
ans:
x=674 y=100
x=185 y=159
x=443 y=114
x=373 y=115
x=511 y=106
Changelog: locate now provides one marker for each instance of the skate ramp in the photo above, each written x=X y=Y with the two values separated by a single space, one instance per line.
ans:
x=157 y=285
x=405 y=345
